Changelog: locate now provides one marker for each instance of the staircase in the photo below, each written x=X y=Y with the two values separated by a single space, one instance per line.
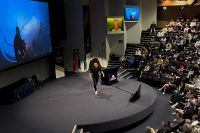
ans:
x=131 y=50
x=126 y=73
x=113 y=63
x=146 y=37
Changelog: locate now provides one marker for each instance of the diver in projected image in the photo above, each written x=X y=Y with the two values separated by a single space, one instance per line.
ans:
x=20 y=48
x=131 y=16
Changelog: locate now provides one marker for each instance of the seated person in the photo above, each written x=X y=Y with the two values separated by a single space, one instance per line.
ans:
x=169 y=85
x=161 y=34
x=130 y=61
x=170 y=29
x=193 y=30
x=193 y=23
x=122 y=61
x=186 y=29
x=150 y=130
x=144 y=52
x=178 y=24
x=197 y=43
x=138 y=52
x=171 y=23
x=168 y=46
x=165 y=128
x=187 y=112
x=146 y=69
x=189 y=37
x=163 y=39
x=195 y=83
x=160 y=60
x=164 y=30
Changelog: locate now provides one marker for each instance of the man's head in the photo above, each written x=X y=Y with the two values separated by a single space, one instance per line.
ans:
x=116 y=23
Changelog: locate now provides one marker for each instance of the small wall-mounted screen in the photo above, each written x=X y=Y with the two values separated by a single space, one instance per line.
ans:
x=115 y=24
x=132 y=14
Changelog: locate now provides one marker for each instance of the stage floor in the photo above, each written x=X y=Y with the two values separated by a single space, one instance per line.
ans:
x=61 y=104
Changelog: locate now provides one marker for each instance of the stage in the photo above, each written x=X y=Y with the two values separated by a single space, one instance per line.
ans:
x=63 y=103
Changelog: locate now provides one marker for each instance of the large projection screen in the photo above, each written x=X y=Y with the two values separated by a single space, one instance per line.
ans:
x=24 y=32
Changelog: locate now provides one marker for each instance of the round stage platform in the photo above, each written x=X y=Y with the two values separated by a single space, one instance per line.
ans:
x=110 y=109
x=61 y=104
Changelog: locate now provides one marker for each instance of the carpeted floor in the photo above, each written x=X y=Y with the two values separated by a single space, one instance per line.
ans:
x=162 y=113
x=13 y=119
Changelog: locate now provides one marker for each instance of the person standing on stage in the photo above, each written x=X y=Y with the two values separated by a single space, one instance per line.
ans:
x=95 y=70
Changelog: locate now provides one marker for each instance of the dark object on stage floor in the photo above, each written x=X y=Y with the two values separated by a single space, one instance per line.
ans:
x=134 y=97
x=110 y=76
x=36 y=82
x=17 y=90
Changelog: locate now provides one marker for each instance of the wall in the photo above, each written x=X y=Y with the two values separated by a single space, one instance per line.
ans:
x=39 y=68
x=132 y=2
x=74 y=31
x=75 y=34
x=176 y=12
x=98 y=30
x=133 y=32
x=116 y=43
x=149 y=13
x=85 y=2
x=107 y=43
x=133 y=28
x=166 y=15
x=116 y=8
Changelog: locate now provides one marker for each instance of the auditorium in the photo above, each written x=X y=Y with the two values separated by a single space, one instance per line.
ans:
x=100 y=66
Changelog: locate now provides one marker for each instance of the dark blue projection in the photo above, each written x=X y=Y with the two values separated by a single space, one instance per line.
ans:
x=24 y=31
x=132 y=14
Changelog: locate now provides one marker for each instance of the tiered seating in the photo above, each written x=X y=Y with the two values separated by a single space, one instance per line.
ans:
x=130 y=52
x=114 y=61
x=131 y=49
x=174 y=59
x=145 y=37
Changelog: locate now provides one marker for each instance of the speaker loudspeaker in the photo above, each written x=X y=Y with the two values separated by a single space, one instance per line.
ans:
x=134 y=97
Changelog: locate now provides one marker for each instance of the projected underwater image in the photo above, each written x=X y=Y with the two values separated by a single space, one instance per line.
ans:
x=24 y=31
